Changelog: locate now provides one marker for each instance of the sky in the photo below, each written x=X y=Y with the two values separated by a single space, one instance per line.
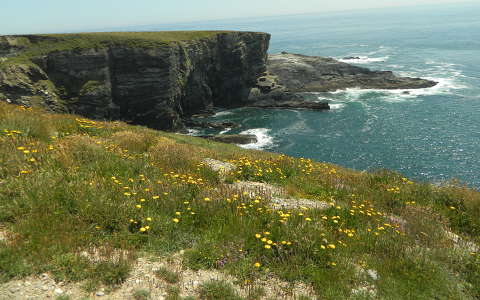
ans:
x=56 y=16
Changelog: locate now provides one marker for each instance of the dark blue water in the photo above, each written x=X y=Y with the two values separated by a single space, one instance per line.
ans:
x=429 y=134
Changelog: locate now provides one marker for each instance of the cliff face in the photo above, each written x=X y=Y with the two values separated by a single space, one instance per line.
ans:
x=153 y=86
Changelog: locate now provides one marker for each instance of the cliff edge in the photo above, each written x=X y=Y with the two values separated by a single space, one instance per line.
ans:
x=147 y=78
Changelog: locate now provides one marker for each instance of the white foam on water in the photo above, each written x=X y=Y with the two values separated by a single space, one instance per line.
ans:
x=448 y=78
x=222 y=113
x=193 y=132
x=364 y=60
x=263 y=139
x=336 y=105
x=225 y=130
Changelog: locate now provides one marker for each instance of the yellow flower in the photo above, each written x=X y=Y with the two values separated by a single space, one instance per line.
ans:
x=143 y=229
x=267 y=233
x=264 y=239
x=149 y=219
x=284 y=242
x=258 y=235
x=155 y=197
x=138 y=206
x=269 y=242
x=323 y=247
x=207 y=199
x=175 y=220
x=267 y=246
x=147 y=227
x=331 y=246
x=257 y=265
x=308 y=219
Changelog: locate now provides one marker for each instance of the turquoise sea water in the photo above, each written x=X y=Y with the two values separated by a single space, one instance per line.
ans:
x=429 y=134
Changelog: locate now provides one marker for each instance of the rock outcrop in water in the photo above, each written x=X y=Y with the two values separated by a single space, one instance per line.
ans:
x=154 y=83
x=300 y=73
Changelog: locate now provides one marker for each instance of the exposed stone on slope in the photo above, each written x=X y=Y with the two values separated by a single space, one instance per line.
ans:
x=219 y=166
x=292 y=203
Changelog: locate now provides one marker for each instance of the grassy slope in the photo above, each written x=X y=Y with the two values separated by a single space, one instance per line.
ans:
x=69 y=184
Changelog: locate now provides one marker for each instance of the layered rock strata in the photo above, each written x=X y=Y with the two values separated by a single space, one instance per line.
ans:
x=153 y=86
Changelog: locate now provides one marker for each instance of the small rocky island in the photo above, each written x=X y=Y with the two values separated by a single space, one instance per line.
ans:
x=290 y=74
x=162 y=79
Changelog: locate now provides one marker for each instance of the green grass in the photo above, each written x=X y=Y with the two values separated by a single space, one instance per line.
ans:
x=141 y=295
x=168 y=275
x=70 y=186
x=217 y=290
x=37 y=45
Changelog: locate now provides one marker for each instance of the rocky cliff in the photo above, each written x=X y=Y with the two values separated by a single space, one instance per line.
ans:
x=301 y=73
x=151 y=79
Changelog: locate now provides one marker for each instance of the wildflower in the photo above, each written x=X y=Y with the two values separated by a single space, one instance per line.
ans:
x=155 y=197
x=175 y=220
x=142 y=200
x=269 y=242
x=323 y=247
x=207 y=199
x=258 y=235
x=138 y=206
x=147 y=227
x=257 y=265
x=308 y=219
x=331 y=246
x=452 y=207
x=143 y=229
x=267 y=246
x=127 y=194
x=264 y=240
x=267 y=233
x=178 y=213
x=149 y=219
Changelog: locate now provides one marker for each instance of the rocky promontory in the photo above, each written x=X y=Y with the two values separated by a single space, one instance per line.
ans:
x=161 y=79
x=301 y=73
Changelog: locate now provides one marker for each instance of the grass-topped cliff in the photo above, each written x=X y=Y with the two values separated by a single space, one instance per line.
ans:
x=31 y=46
x=146 y=78
x=94 y=204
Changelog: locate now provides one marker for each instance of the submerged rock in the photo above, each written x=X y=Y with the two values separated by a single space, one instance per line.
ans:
x=292 y=104
x=239 y=139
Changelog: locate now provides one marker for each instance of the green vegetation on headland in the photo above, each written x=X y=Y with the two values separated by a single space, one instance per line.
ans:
x=82 y=200
x=36 y=45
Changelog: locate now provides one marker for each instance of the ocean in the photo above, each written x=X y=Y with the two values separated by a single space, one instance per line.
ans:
x=428 y=134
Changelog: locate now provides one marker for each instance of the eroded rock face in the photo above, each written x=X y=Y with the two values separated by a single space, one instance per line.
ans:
x=300 y=73
x=155 y=87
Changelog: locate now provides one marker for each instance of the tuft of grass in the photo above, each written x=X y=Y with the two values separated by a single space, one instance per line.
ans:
x=167 y=275
x=217 y=289
x=142 y=295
